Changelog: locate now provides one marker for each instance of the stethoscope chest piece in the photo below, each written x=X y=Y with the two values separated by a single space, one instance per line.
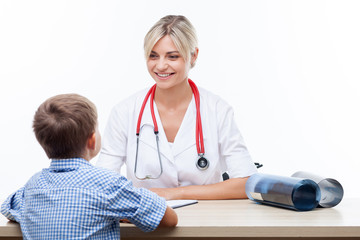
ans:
x=202 y=163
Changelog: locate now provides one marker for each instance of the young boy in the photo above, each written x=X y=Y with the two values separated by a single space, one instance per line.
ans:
x=73 y=199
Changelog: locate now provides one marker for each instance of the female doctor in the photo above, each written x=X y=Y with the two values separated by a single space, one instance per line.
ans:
x=176 y=139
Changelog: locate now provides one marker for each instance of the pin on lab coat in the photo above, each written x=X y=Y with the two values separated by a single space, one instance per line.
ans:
x=224 y=145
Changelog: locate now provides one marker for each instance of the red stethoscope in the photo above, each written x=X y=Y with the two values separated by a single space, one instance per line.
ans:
x=202 y=163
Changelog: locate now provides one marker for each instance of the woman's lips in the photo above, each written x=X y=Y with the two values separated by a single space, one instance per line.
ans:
x=164 y=76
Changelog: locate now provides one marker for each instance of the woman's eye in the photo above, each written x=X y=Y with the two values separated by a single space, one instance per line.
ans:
x=173 y=57
x=152 y=56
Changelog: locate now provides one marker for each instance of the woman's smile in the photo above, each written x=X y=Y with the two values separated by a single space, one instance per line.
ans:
x=164 y=76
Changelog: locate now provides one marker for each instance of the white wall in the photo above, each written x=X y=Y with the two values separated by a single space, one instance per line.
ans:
x=290 y=69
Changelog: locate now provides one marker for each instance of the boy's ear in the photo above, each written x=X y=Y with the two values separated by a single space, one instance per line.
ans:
x=91 y=143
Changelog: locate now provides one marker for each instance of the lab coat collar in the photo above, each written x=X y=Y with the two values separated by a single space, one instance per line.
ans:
x=185 y=137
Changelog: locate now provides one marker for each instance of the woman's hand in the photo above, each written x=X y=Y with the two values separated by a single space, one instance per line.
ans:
x=233 y=188
x=167 y=193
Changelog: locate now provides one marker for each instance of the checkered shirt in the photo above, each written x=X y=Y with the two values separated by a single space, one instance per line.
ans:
x=74 y=200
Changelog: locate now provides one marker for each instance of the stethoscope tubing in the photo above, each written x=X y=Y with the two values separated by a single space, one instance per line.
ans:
x=202 y=162
x=151 y=92
x=199 y=133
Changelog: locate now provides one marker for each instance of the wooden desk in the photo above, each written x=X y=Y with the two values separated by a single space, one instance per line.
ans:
x=244 y=219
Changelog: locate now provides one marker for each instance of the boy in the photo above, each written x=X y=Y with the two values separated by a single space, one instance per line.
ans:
x=73 y=199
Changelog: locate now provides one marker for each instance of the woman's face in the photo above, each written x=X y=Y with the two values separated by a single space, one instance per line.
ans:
x=165 y=64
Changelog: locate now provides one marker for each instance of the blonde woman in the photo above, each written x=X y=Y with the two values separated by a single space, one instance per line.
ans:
x=176 y=139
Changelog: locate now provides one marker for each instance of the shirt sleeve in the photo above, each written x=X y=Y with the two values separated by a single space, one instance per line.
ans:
x=140 y=206
x=232 y=146
x=114 y=141
x=11 y=207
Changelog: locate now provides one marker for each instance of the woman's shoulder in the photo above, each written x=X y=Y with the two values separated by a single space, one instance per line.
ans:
x=212 y=100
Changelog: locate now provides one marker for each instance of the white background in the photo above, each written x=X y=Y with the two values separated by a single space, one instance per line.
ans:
x=290 y=69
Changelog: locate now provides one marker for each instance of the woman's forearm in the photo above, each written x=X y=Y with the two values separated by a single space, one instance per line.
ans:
x=230 y=189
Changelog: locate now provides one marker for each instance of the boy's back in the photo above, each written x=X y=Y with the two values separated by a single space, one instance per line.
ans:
x=73 y=199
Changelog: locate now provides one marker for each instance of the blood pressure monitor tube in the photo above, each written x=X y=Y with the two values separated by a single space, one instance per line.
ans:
x=331 y=190
x=288 y=192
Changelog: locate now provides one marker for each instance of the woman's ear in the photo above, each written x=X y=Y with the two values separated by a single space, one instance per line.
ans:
x=194 y=57
x=91 y=143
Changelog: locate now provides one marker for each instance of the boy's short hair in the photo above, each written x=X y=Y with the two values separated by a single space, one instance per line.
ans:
x=63 y=124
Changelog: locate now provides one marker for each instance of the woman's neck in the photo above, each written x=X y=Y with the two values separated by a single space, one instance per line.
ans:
x=172 y=98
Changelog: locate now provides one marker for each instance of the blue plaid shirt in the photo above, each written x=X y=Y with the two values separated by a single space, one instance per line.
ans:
x=75 y=200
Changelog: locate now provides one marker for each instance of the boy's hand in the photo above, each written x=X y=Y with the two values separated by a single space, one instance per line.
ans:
x=169 y=219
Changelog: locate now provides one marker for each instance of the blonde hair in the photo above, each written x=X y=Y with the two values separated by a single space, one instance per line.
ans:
x=181 y=32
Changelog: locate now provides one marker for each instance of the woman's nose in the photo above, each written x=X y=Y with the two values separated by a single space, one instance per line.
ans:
x=162 y=64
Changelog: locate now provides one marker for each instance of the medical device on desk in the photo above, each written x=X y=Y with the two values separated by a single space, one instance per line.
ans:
x=302 y=191
x=202 y=163
x=288 y=192
x=331 y=190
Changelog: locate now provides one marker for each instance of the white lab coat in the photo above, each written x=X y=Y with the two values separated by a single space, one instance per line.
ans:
x=224 y=145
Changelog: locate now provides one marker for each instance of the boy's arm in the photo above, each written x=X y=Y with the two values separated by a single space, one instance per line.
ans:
x=169 y=219
x=11 y=208
x=140 y=206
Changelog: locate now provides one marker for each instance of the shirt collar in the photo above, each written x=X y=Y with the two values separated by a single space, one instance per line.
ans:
x=69 y=164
